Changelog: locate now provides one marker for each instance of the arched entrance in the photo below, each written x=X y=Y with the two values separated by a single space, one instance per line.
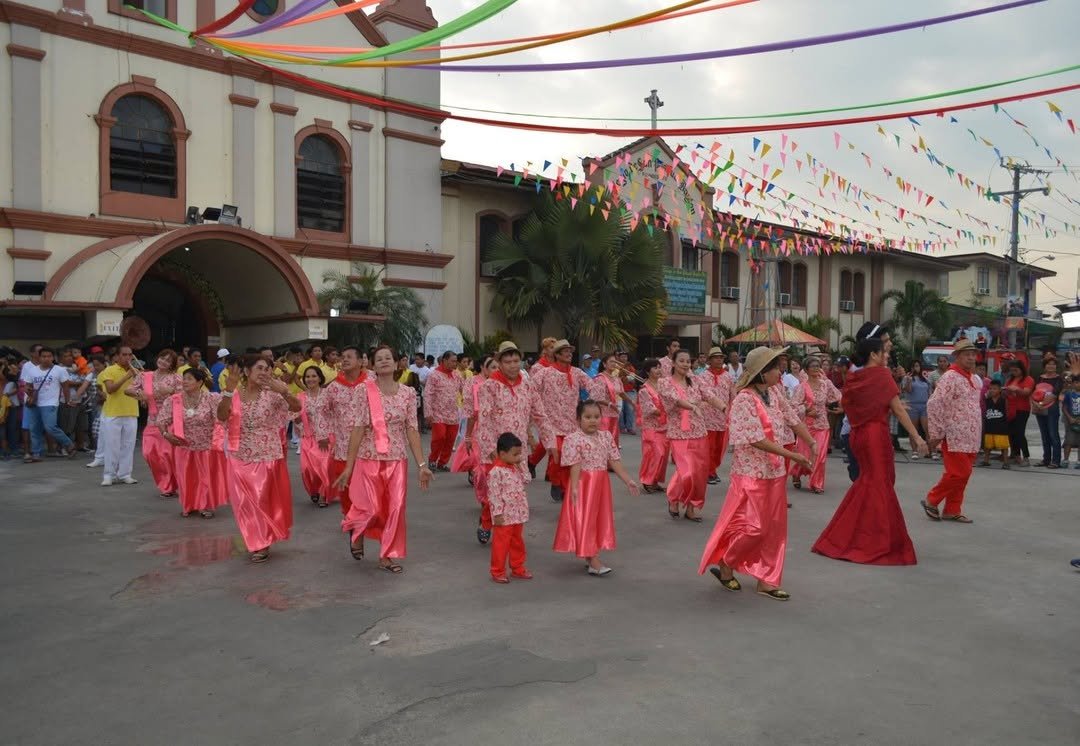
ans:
x=177 y=314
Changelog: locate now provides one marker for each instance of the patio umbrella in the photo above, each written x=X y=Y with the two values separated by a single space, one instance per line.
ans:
x=776 y=332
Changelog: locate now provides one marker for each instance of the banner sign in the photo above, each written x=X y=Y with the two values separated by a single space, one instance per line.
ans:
x=685 y=290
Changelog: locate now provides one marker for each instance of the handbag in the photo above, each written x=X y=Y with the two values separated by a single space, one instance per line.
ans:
x=31 y=396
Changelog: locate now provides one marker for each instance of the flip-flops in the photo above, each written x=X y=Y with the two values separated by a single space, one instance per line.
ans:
x=931 y=512
x=958 y=518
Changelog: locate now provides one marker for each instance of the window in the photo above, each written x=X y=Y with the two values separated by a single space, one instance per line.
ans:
x=142 y=151
x=516 y=227
x=982 y=281
x=1003 y=283
x=793 y=280
x=264 y=9
x=729 y=270
x=943 y=285
x=859 y=291
x=847 y=290
x=487 y=227
x=320 y=186
x=691 y=257
x=163 y=8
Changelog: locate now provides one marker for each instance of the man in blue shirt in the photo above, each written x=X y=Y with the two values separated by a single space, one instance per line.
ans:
x=216 y=368
x=591 y=362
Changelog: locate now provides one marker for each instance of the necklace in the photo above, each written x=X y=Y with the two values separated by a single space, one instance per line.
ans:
x=189 y=407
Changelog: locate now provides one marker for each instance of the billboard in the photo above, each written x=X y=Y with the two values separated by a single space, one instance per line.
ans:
x=685 y=290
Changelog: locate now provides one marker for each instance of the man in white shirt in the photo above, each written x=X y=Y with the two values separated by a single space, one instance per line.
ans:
x=790 y=379
x=734 y=365
x=42 y=384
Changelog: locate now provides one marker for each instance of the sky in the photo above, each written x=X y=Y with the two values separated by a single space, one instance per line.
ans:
x=1000 y=46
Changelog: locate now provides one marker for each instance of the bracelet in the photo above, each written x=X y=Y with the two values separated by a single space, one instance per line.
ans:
x=228 y=394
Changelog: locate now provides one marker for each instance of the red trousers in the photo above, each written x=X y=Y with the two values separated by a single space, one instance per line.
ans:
x=718 y=440
x=950 y=488
x=442 y=442
x=557 y=474
x=507 y=540
x=337 y=468
x=480 y=484
x=537 y=454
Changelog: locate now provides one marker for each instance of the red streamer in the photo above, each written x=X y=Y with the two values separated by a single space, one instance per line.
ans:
x=226 y=20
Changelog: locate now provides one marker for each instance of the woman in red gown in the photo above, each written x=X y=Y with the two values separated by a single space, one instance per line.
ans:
x=868 y=526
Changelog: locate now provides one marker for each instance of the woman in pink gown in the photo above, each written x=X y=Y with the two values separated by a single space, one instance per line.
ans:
x=607 y=391
x=254 y=414
x=587 y=519
x=188 y=419
x=653 y=423
x=153 y=388
x=386 y=430
x=750 y=536
x=868 y=526
x=314 y=437
x=813 y=397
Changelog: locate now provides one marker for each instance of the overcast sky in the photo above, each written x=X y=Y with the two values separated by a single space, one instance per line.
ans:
x=965 y=53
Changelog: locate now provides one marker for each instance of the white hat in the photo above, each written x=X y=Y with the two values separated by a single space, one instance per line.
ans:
x=223 y=352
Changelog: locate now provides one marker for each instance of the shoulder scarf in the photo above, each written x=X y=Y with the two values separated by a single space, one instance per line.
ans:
x=178 y=415
x=235 y=414
x=766 y=424
x=499 y=377
x=148 y=387
x=609 y=383
x=304 y=420
x=378 y=418
x=566 y=369
x=656 y=403
x=684 y=417
x=351 y=384
x=956 y=368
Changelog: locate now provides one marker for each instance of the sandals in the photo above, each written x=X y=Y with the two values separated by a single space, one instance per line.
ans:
x=648 y=489
x=673 y=513
x=817 y=491
x=323 y=504
x=776 y=594
x=931 y=511
x=356 y=552
x=392 y=568
x=694 y=518
x=729 y=584
x=958 y=518
x=206 y=514
x=260 y=556
x=483 y=535
x=796 y=483
x=314 y=498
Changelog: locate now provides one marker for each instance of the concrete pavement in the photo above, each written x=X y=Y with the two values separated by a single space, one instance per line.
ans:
x=123 y=623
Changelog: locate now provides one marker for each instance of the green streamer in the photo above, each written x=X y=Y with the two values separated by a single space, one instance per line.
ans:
x=158 y=19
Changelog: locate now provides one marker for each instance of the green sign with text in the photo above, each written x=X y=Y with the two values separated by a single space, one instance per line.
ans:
x=685 y=290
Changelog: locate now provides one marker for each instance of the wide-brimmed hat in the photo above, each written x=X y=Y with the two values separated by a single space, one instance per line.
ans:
x=756 y=361
x=506 y=348
x=963 y=344
x=562 y=344
x=716 y=351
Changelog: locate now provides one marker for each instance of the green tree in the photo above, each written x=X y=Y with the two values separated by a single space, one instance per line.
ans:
x=722 y=332
x=817 y=325
x=598 y=277
x=403 y=323
x=918 y=310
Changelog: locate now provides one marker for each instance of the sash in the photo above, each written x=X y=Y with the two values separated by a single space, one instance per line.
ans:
x=178 y=416
x=808 y=394
x=148 y=387
x=657 y=403
x=304 y=421
x=476 y=397
x=766 y=422
x=234 y=422
x=684 y=417
x=378 y=418
x=609 y=383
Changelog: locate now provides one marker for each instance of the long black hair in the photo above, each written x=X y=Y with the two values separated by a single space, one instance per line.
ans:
x=864 y=348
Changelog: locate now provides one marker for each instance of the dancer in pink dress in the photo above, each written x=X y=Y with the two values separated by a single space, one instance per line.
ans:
x=587 y=519
x=607 y=391
x=750 y=535
x=187 y=419
x=560 y=387
x=151 y=389
x=254 y=415
x=441 y=410
x=684 y=400
x=814 y=396
x=653 y=423
x=343 y=395
x=314 y=437
x=718 y=382
x=386 y=431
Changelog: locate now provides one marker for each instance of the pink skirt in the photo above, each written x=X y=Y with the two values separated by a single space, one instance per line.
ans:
x=817 y=474
x=199 y=488
x=690 y=480
x=159 y=456
x=750 y=536
x=377 y=492
x=219 y=474
x=587 y=520
x=464 y=459
x=655 y=451
x=261 y=499
x=315 y=469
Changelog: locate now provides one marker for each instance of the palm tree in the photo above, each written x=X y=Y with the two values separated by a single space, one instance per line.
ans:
x=723 y=332
x=402 y=327
x=599 y=278
x=918 y=309
x=817 y=325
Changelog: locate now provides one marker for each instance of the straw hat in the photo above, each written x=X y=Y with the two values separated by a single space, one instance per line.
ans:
x=756 y=361
x=506 y=348
x=963 y=344
x=562 y=344
x=713 y=351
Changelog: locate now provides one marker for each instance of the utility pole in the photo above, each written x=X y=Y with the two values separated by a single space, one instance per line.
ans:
x=1016 y=194
x=654 y=103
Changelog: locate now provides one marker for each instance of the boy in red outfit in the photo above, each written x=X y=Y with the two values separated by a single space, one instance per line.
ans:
x=509 y=509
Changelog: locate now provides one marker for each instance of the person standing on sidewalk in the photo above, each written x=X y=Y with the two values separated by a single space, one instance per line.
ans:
x=42 y=384
x=119 y=418
x=1018 y=388
x=1047 y=411
x=956 y=423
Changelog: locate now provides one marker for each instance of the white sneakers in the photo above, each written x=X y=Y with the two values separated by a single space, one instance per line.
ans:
x=106 y=482
x=129 y=480
x=95 y=462
x=109 y=481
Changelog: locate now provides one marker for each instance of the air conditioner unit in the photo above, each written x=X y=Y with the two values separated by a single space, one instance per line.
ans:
x=783 y=299
x=982 y=291
x=847 y=305
x=729 y=293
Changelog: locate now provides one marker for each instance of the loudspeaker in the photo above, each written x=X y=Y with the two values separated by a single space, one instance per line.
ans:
x=28 y=287
x=359 y=306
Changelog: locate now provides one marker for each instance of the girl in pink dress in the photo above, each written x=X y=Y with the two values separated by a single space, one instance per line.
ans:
x=587 y=519
x=683 y=399
x=187 y=419
x=750 y=535
x=386 y=428
x=254 y=414
x=814 y=397
x=153 y=388
x=653 y=423
x=314 y=437
x=607 y=391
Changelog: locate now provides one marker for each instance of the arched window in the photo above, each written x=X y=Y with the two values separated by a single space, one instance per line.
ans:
x=322 y=192
x=265 y=9
x=792 y=281
x=489 y=225
x=798 y=285
x=142 y=153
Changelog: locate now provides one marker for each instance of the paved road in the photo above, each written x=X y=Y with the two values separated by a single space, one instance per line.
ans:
x=123 y=623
